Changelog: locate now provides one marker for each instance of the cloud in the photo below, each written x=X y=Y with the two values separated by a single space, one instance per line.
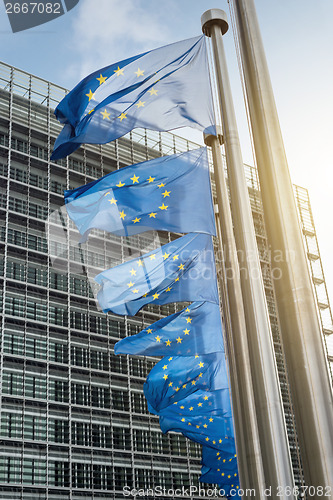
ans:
x=107 y=31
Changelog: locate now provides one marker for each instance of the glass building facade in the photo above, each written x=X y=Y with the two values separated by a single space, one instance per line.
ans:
x=73 y=421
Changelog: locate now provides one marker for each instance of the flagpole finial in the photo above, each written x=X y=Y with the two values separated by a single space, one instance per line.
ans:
x=212 y=17
x=210 y=138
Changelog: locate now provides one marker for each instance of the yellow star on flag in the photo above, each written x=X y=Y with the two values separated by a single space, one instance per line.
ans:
x=163 y=207
x=135 y=291
x=201 y=364
x=153 y=256
x=155 y=296
x=119 y=71
x=175 y=257
x=179 y=340
x=133 y=272
x=153 y=91
x=101 y=79
x=181 y=267
x=191 y=408
x=166 y=255
x=168 y=342
x=153 y=214
x=166 y=193
x=105 y=114
x=139 y=72
x=122 y=116
x=122 y=215
x=130 y=284
x=170 y=359
x=168 y=289
x=137 y=219
x=188 y=320
x=151 y=179
x=186 y=331
x=187 y=310
x=158 y=338
x=113 y=201
x=149 y=330
x=91 y=95
x=165 y=367
x=205 y=398
x=200 y=404
x=170 y=384
x=193 y=382
x=135 y=179
x=161 y=185
x=177 y=279
x=140 y=104
x=120 y=184
x=165 y=376
x=139 y=262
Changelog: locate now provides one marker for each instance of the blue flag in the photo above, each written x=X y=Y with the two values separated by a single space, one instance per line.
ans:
x=176 y=377
x=183 y=270
x=215 y=460
x=196 y=329
x=228 y=481
x=164 y=89
x=194 y=419
x=171 y=193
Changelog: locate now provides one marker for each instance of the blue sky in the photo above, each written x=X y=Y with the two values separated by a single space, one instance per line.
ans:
x=298 y=41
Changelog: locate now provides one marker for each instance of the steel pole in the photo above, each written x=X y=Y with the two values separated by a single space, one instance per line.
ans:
x=272 y=429
x=301 y=333
x=249 y=460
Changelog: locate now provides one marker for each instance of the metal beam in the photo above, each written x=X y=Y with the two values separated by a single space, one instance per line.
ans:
x=249 y=460
x=273 y=436
x=302 y=338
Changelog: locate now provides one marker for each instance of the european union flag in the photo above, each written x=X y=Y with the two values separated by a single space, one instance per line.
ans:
x=221 y=468
x=176 y=377
x=215 y=460
x=226 y=478
x=195 y=421
x=196 y=329
x=171 y=193
x=164 y=89
x=228 y=481
x=183 y=270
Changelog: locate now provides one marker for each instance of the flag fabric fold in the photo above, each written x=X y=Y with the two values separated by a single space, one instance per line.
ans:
x=176 y=377
x=197 y=329
x=183 y=270
x=163 y=89
x=171 y=193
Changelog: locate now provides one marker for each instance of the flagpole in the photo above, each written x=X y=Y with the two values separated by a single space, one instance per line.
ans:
x=249 y=460
x=272 y=429
x=301 y=333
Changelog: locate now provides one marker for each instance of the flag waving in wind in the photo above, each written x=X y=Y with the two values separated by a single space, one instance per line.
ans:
x=183 y=270
x=171 y=193
x=163 y=89
x=197 y=329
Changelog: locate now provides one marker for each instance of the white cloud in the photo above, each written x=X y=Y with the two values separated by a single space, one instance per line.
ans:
x=106 y=31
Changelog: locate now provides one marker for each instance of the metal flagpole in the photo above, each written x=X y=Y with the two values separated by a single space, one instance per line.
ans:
x=244 y=411
x=272 y=429
x=301 y=333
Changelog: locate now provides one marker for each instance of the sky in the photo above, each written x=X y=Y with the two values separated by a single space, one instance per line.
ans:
x=298 y=41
